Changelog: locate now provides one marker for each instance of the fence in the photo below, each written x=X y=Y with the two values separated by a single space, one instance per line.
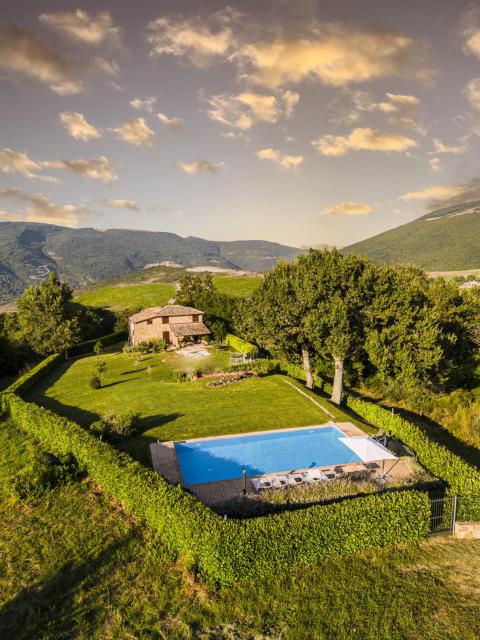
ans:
x=447 y=510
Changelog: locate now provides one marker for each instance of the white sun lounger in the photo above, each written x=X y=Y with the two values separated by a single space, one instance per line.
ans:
x=262 y=483
x=280 y=482
x=330 y=474
x=295 y=479
x=314 y=475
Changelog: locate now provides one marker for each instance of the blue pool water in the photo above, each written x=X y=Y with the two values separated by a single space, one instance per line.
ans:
x=216 y=459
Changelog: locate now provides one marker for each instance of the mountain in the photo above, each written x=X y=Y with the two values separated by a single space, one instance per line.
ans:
x=29 y=251
x=443 y=240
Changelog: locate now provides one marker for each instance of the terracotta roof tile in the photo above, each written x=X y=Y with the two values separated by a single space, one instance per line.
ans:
x=171 y=310
x=189 y=329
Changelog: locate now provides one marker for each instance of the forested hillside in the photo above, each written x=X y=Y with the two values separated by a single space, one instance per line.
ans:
x=29 y=251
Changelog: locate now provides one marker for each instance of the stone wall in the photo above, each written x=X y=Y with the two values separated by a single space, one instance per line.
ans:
x=146 y=331
x=467 y=530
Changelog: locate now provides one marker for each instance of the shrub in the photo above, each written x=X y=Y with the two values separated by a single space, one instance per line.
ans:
x=30 y=483
x=116 y=426
x=240 y=345
x=94 y=382
x=180 y=376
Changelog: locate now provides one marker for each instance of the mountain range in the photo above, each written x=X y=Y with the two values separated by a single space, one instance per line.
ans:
x=444 y=240
x=29 y=251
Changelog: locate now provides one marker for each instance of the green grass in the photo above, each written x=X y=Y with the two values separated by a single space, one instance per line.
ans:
x=74 y=565
x=132 y=296
x=171 y=410
x=237 y=286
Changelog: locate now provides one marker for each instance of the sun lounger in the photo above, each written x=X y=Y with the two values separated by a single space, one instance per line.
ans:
x=295 y=478
x=279 y=482
x=262 y=483
x=330 y=474
x=314 y=475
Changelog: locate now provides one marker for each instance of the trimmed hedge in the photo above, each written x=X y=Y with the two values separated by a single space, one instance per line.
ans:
x=25 y=382
x=240 y=345
x=105 y=341
x=223 y=550
x=462 y=479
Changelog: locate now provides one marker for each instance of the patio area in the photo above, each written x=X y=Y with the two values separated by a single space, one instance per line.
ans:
x=165 y=463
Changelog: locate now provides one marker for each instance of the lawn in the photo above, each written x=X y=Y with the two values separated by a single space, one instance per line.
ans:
x=131 y=296
x=151 y=294
x=171 y=410
x=74 y=565
x=237 y=286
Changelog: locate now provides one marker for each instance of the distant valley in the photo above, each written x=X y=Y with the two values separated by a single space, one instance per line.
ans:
x=28 y=251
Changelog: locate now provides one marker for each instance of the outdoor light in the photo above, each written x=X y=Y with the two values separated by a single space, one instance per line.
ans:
x=244 y=474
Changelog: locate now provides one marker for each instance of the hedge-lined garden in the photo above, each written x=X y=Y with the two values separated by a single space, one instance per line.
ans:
x=224 y=550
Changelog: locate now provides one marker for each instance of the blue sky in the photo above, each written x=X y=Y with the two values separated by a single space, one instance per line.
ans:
x=305 y=123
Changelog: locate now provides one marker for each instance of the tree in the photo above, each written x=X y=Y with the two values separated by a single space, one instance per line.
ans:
x=333 y=296
x=273 y=318
x=45 y=319
x=191 y=285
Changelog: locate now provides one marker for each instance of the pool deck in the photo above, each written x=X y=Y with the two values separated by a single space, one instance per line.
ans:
x=165 y=463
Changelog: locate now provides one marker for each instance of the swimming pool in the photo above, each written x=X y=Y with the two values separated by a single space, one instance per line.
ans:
x=215 y=459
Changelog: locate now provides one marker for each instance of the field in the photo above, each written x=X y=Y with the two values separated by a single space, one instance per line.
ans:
x=172 y=410
x=237 y=286
x=131 y=296
x=73 y=565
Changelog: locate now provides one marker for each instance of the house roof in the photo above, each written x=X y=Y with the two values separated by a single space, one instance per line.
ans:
x=170 y=310
x=189 y=329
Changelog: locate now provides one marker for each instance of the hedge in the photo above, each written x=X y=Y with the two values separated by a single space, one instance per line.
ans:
x=462 y=479
x=105 y=341
x=25 y=382
x=240 y=345
x=224 y=550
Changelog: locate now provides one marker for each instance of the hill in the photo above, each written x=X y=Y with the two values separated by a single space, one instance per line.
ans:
x=443 y=240
x=28 y=251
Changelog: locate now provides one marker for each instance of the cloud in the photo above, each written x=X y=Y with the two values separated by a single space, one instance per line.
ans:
x=174 y=124
x=198 y=40
x=281 y=159
x=89 y=29
x=434 y=164
x=122 y=204
x=136 y=131
x=396 y=107
x=404 y=101
x=39 y=208
x=365 y=139
x=440 y=147
x=437 y=196
x=236 y=135
x=23 y=53
x=245 y=109
x=471 y=31
x=349 y=209
x=333 y=54
x=144 y=104
x=17 y=162
x=78 y=127
x=472 y=93
x=200 y=166
x=96 y=168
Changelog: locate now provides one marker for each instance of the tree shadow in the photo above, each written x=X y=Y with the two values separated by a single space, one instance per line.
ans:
x=138 y=446
x=51 y=608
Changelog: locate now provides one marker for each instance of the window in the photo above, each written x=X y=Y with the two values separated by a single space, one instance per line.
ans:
x=166 y=336
x=149 y=321
x=195 y=318
x=165 y=320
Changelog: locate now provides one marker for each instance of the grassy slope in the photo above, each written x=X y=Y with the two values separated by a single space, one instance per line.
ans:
x=75 y=566
x=132 y=296
x=170 y=410
x=437 y=245
x=237 y=286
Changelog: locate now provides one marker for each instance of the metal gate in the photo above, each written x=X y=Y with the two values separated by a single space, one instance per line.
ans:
x=443 y=512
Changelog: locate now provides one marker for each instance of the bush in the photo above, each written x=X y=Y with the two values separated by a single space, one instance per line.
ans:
x=240 y=345
x=116 y=426
x=180 y=376
x=30 y=483
x=94 y=382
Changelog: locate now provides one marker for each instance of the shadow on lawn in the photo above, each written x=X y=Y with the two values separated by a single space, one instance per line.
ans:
x=52 y=608
x=138 y=446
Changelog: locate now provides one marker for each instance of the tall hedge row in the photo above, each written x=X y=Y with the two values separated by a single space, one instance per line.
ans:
x=462 y=479
x=25 y=382
x=105 y=341
x=226 y=550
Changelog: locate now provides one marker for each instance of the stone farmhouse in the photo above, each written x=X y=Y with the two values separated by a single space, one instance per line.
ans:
x=173 y=323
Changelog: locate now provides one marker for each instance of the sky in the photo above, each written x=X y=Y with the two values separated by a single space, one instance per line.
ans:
x=300 y=122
